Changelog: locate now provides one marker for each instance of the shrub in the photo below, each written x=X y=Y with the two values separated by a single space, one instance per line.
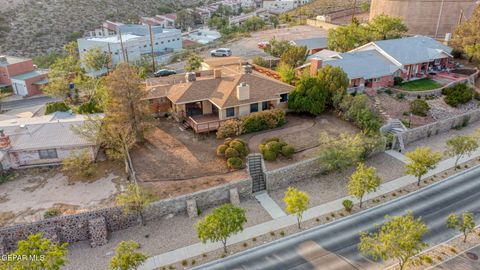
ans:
x=229 y=128
x=272 y=147
x=231 y=152
x=221 y=149
x=458 y=94
x=357 y=110
x=273 y=139
x=263 y=120
x=288 y=151
x=348 y=205
x=397 y=80
x=52 y=212
x=269 y=155
x=400 y=95
x=235 y=163
x=79 y=164
x=419 y=107
x=89 y=107
x=59 y=106
x=240 y=147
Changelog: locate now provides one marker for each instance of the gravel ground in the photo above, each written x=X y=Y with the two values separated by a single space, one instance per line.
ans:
x=437 y=142
x=155 y=238
x=325 y=188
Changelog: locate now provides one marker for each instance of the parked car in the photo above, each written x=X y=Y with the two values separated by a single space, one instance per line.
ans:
x=221 y=52
x=164 y=72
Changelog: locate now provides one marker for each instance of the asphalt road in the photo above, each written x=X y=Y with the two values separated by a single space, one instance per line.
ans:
x=334 y=246
x=27 y=102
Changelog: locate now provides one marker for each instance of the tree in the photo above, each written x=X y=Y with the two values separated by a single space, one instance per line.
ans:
x=348 y=37
x=461 y=146
x=335 y=81
x=79 y=164
x=363 y=180
x=50 y=256
x=277 y=47
x=465 y=224
x=421 y=160
x=398 y=238
x=194 y=62
x=387 y=27
x=135 y=199
x=286 y=72
x=473 y=51
x=126 y=257
x=340 y=152
x=274 y=21
x=223 y=222
x=294 y=56
x=467 y=34
x=309 y=95
x=95 y=59
x=185 y=19
x=296 y=202
x=253 y=24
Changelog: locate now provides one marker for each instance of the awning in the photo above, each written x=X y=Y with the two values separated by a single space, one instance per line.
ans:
x=42 y=82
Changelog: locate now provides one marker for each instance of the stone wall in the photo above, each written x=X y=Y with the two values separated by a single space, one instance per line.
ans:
x=283 y=177
x=440 y=126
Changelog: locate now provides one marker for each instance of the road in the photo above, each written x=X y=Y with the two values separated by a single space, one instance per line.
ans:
x=24 y=103
x=334 y=246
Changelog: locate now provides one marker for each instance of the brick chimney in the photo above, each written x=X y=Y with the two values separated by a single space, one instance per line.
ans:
x=315 y=65
x=4 y=140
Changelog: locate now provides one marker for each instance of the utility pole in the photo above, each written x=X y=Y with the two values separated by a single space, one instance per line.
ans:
x=151 y=46
x=461 y=18
x=121 y=45
x=110 y=59
x=439 y=18
x=354 y=7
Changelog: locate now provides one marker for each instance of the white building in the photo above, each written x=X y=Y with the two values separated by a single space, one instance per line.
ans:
x=280 y=6
x=132 y=42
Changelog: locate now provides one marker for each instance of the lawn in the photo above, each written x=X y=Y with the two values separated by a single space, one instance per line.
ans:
x=420 y=85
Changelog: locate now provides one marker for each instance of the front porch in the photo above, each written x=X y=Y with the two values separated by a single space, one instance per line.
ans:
x=204 y=123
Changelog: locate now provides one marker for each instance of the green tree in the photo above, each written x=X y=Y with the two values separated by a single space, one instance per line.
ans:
x=467 y=34
x=294 y=56
x=79 y=164
x=473 y=51
x=274 y=21
x=337 y=153
x=465 y=223
x=421 y=160
x=253 y=24
x=126 y=257
x=398 y=238
x=223 y=222
x=95 y=59
x=356 y=109
x=296 y=202
x=309 y=95
x=185 y=19
x=460 y=146
x=387 y=27
x=348 y=37
x=363 y=180
x=50 y=256
x=286 y=72
x=135 y=199
x=194 y=62
x=335 y=81
x=277 y=47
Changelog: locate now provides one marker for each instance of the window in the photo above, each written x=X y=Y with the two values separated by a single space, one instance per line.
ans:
x=144 y=46
x=156 y=43
x=168 y=41
x=161 y=42
x=230 y=112
x=48 y=153
x=264 y=105
x=254 y=107
x=283 y=97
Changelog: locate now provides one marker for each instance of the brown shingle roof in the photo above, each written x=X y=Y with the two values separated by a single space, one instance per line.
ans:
x=223 y=61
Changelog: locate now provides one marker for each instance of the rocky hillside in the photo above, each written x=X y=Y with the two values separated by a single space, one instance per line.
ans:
x=36 y=27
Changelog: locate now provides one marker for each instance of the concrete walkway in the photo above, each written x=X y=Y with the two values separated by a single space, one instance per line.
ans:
x=270 y=205
x=285 y=221
x=397 y=155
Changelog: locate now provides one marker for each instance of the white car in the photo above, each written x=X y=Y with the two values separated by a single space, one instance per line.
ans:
x=221 y=52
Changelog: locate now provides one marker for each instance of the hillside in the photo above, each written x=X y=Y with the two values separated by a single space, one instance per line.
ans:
x=38 y=27
x=322 y=7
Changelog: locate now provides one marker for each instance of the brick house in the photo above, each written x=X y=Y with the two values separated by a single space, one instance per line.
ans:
x=21 y=75
x=376 y=64
x=206 y=98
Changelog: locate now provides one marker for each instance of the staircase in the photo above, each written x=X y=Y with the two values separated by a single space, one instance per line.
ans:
x=395 y=127
x=255 y=169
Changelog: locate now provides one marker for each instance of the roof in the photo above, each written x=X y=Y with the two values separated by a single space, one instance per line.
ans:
x=12 y=60
x=222 y=61
x=323 y=54
x=412 y=50
x=44 y=132
x=29 y=75
x=363 y=64
x=311 y=43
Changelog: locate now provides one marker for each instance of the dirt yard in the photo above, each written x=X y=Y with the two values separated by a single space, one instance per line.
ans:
x=26 y=197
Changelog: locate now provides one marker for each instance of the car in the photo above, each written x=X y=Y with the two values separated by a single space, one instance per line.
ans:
x=164 y=72
x=221 y=52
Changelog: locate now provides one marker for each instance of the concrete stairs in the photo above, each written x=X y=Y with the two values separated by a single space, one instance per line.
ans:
x=255 y=169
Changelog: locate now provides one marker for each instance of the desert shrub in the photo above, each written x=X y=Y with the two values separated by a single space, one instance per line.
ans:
x=89 y=107
x=231 y=152
x=272 y=139
x=269 y=155
x=397 y=80
x=458 y=94
x=272 y=147
x=258 y=60
x=263 y=120
x=348 y=205
x=419 y=107
x=240 y=147
x=221 y=149
x=235 y=163
x=79 y=164
x=357 y=110
x=229 y=128
x=59 y=106
x=52 y=212
x=288 y=151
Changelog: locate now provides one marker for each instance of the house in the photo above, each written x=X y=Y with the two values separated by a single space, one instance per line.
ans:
x=21 y=75
x=377 y=63
x=108 y=28
x=206 y=98
x=240 y=19
x=164 y=20
x=281 y=6
x=41 y=141
x=313 y=45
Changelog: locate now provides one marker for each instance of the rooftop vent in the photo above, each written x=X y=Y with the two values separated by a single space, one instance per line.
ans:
x=3 y=58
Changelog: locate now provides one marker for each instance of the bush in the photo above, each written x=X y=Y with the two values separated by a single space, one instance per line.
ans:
x=272 y=147
x=221 y=149
x=288 y=151
x=52 y=212
x=229 y=128
x=231 y=152
x=59 y=106
x=240 y=147
x=356 y=109
x=263 y=120
x=235 y=163
x=348 y=205
x=400 y=95
x=458 y=94
x=89 y=107
x=79 y=164
x=419 y=107
x=269 y=155
x=258 y=60
x=397 y=80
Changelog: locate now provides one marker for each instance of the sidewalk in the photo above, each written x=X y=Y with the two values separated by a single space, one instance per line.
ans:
x=285 y=221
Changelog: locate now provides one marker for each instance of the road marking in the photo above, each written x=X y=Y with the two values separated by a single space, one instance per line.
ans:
x=321 y=258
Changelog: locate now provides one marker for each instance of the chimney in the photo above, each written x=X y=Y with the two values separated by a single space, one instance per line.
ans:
x=243 y=91
x=4 y=140
x=190 y=77
x=246 y=69
x=217 y=73
x=315 y=65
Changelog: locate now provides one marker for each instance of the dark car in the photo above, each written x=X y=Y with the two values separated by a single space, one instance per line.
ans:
x=164 y=72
